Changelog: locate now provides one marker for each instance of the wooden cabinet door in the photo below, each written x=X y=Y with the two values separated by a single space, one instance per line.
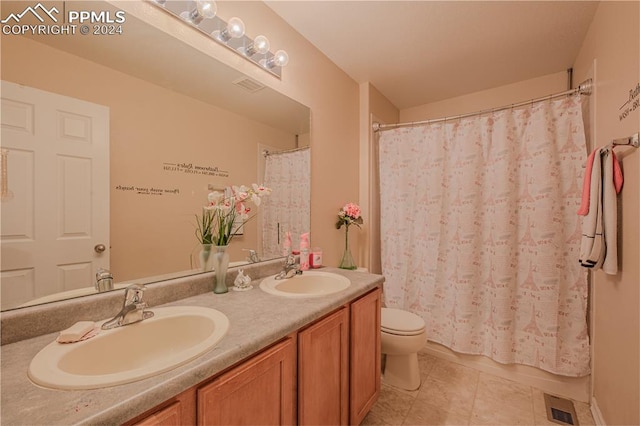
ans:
x=323 y=378
x=179 y=410
x=169 y=416
x=260 y=391
x=365 y=355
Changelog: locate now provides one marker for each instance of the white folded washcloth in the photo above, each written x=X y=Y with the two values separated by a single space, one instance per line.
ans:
x=76 y=332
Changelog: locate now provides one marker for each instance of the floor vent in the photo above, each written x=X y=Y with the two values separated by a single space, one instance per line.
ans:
x=560 y=410
x=249 y=85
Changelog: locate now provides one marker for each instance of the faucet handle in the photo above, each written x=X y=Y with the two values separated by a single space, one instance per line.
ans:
x=133 y=294
x=104 y=280
x=253 y=256
x=103 y=273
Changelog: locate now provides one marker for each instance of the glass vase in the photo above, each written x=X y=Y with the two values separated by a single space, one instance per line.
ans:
x=220 y=264
x=347 y=261
x=206 y=259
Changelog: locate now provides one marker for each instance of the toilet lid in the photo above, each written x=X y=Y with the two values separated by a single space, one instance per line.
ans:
x=397 y=321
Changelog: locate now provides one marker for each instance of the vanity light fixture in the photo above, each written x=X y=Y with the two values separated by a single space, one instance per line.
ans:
x=202 y=15
x=260 y=46
x=201 y=10
x=234 y=29
x=279 y=59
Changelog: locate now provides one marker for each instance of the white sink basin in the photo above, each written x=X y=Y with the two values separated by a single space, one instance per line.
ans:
x=173 y=336
x=308 y=284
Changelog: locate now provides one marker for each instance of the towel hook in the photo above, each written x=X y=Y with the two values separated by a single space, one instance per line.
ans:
x=633 y=140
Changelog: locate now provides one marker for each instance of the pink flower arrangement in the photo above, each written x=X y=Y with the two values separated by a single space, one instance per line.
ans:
x=226 y=212
x=350 y=214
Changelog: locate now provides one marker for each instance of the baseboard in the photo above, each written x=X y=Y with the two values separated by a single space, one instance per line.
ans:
x=575 y=388
x=596 y=413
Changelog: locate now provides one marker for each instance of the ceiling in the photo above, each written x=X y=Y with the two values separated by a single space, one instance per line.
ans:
x=417 y=52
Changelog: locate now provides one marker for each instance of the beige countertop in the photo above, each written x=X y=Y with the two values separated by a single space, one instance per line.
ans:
x=257 y=320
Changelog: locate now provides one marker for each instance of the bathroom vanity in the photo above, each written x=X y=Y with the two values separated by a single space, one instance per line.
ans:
x=312 y=360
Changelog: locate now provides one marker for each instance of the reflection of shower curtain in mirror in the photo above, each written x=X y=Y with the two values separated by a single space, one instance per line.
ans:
x=288 y=206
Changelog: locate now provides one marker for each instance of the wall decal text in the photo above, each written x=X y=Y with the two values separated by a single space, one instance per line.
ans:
x=147 y=190
x=631 y=104
x=194 y=169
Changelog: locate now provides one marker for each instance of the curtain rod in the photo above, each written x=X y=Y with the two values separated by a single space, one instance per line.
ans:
x=266 y=152
x=585 y=88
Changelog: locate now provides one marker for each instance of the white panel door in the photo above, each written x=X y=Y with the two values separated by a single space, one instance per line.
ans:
x=58 y=171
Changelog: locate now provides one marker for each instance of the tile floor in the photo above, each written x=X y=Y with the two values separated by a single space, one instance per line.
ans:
x=452 y=394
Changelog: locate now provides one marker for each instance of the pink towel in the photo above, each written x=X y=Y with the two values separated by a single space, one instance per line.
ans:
x=618 y=180
x=586 y=185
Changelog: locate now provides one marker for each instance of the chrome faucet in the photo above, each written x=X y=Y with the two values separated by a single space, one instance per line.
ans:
x=253 y=256
x=133 y=308
x=104 y=280
x=289 y=269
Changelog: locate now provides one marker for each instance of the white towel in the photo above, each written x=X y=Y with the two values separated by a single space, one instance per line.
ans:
x=598 y=248
x=609 y=215
x=590 y=246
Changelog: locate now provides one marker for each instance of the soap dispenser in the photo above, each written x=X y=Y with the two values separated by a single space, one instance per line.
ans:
x=304 y=251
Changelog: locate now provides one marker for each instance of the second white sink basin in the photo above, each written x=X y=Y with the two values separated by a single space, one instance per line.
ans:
x=173 y=336
x=308 y=284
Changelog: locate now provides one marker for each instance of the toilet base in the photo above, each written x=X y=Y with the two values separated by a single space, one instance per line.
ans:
x=402 y=371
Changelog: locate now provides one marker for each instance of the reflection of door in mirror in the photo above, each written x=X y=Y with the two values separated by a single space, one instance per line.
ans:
x=58 y=169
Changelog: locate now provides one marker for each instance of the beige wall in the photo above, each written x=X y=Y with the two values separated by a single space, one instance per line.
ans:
x=149 y=126
x=491 y=98
x=611 y=53
x=311 y=79
x=374 y=107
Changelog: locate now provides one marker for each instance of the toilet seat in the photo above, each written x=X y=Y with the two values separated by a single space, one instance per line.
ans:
x=401 y=323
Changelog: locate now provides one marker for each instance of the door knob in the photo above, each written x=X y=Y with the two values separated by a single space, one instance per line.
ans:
x=99 y=248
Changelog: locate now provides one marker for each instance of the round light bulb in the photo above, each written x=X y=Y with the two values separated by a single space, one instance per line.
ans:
x=206 y=9
x=261 y=44
x=235 y=28
x=280 y=58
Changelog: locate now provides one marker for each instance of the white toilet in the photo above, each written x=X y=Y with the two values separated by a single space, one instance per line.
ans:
x=403 y=335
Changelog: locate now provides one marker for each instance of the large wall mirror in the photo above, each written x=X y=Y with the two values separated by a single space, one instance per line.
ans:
x=144 y=127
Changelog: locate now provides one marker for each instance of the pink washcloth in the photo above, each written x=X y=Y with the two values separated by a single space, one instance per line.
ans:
x=81 y=330
x=618 y=180
x=586 y=185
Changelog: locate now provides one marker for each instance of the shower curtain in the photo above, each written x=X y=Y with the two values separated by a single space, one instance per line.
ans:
x=288 y=206
x=480 y=234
